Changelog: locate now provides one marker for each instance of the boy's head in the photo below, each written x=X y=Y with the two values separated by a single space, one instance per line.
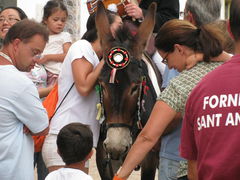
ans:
x=75 y=142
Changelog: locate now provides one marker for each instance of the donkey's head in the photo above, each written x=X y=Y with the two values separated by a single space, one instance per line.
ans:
x=121 y=77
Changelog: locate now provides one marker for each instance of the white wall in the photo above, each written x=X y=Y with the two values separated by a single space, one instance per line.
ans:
x=33 y=8
x=182 y=5
x=222 y=16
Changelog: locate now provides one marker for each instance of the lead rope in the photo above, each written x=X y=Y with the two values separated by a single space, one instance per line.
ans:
x=139 y=124
x=109 y=162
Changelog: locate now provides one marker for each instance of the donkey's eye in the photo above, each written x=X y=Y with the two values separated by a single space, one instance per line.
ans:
x=134 y=89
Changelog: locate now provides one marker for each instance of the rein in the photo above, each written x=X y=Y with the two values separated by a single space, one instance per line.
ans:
x=117 y=125
x=101 y=113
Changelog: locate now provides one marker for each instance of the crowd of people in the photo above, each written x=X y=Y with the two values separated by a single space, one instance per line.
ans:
x=195 y=117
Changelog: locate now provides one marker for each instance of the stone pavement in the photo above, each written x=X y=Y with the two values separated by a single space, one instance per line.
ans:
x=94 y=172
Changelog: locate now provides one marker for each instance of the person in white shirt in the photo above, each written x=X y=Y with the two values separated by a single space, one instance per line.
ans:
x=75 y=143
x=21 y=110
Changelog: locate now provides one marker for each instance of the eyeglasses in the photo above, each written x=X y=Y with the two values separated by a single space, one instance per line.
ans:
x=164 y=60
x=9 y=19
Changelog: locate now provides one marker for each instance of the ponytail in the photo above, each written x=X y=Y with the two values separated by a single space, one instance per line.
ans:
x=210 y=41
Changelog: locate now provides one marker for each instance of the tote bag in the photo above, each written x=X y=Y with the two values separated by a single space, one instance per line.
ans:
x=49 y=103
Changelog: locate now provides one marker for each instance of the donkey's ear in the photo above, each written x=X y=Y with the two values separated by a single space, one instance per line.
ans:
x=144 y=31
x=103 y=26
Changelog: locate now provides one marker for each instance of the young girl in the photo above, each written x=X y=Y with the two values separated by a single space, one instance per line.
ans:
x=54 y=17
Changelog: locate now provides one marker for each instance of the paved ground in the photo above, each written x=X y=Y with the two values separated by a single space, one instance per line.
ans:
x=94 y=172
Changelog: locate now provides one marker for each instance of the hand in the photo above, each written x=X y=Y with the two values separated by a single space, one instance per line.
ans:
x=42 y=60
x=26 y=130
x=118 y=178
x=134 y=11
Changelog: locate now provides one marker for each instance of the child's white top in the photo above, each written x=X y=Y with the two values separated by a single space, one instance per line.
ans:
x=68 y=174
x=55 y=46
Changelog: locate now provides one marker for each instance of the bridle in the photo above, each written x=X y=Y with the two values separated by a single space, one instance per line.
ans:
x=136 y=125
x=108 y=159
x=137 y=121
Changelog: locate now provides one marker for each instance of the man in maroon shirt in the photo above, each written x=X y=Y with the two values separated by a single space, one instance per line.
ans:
x=211 y=126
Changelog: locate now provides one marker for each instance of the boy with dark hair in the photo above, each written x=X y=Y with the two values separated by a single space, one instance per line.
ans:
x=75 y=143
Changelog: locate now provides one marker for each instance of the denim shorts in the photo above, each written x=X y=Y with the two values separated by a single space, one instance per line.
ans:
x=168 y=169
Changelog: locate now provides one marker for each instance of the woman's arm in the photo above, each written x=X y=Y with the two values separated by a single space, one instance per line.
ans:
x=161 y=116
x=192 y=170
x=84 y=75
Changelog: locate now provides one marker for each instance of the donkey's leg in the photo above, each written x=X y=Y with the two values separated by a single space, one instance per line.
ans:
x=101 y=161
x=149 y=165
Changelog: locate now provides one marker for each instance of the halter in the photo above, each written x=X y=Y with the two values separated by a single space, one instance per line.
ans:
x=119 y=58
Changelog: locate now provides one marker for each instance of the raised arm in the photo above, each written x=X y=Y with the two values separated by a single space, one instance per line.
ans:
x=85 y=75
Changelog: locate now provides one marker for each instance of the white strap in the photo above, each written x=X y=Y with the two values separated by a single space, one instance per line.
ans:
x=6 y=57
x=152 y=75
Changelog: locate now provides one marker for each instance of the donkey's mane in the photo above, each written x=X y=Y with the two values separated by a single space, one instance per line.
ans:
x=123 y=38
x=123 y=34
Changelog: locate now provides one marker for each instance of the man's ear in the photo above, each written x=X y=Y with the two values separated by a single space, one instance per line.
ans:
x=16 y=43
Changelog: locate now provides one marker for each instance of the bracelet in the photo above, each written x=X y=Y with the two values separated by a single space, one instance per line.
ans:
x=117 y=178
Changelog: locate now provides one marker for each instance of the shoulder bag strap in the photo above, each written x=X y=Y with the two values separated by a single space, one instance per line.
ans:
x=62 y=101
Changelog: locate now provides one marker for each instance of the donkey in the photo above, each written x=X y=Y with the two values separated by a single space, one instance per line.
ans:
x=123 y=86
